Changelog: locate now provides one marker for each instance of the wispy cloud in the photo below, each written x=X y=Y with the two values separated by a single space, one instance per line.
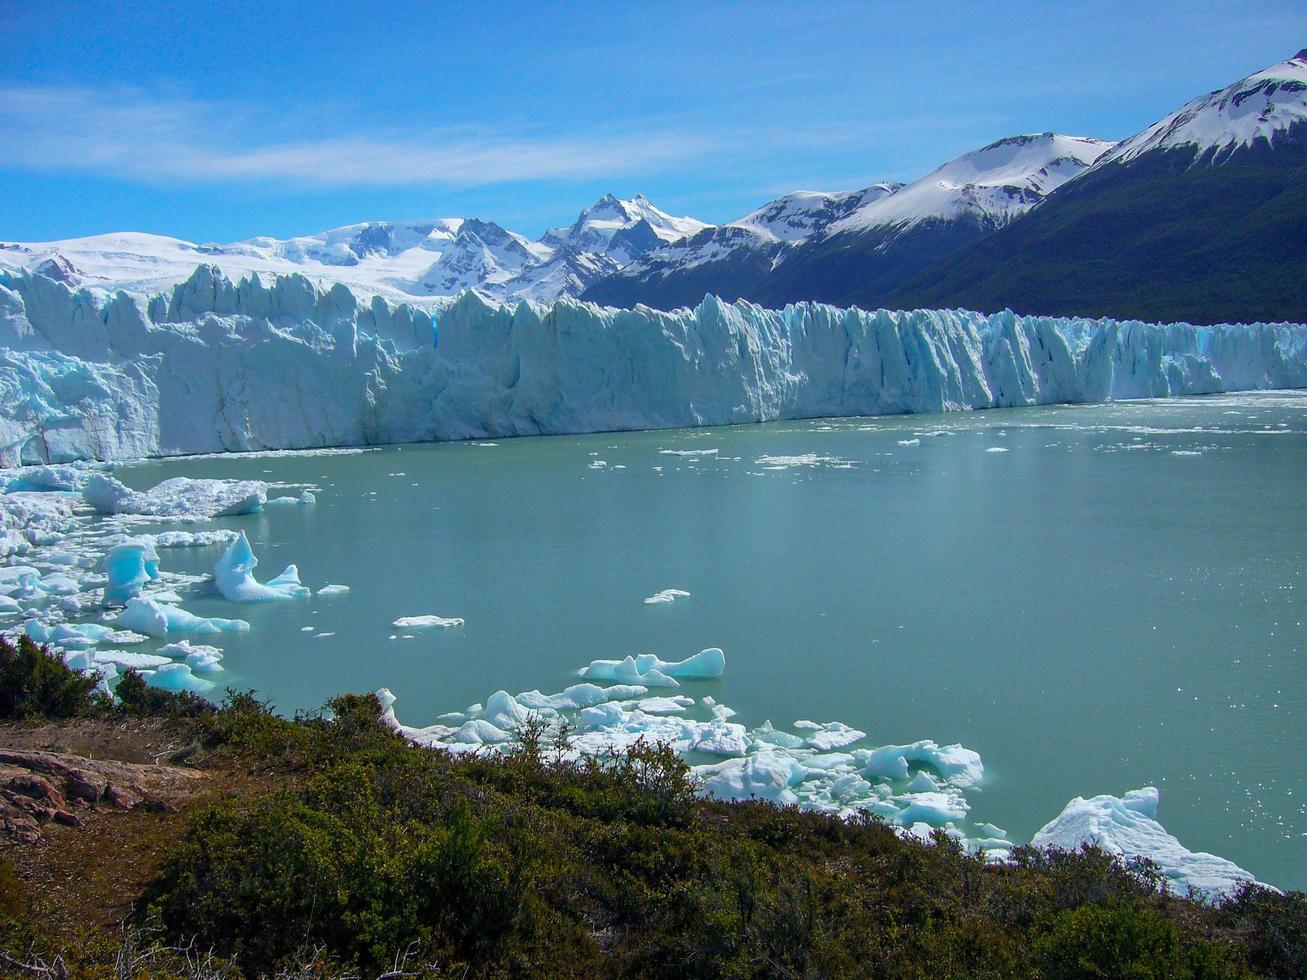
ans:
x=138 y=135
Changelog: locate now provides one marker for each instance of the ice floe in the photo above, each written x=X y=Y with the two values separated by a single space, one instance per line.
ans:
x=128 y=566
x=1127 y=825
x=153 y=618
x=179 y=497
x=234 y=577
x=444 y=622
x=666 y=595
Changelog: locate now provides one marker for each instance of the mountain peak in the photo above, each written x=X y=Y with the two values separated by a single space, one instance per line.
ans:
x=1257 y=108
x=993 y=184
x=595 y=228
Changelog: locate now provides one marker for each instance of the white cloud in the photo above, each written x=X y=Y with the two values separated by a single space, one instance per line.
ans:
x=130 y=133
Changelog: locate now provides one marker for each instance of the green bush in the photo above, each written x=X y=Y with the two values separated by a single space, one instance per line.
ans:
x=34 y=683
x=1126 y=939
x=527 y=864
x=138 y=699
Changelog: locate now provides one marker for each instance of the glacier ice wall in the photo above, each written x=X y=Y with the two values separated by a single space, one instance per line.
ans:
x=215 y=365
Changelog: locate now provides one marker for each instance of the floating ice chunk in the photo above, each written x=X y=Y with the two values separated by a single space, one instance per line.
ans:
x=936 y=809
x=909 y=442
x=805 y=459
x=1128 y=826
x=19 y=580
x=9 y=606
x=996 y=449
x=44 y=478
x=763 y=776
x=478 y=731
x=579 y=696
x=129 y=565
x=665 y=705
x=991 y=830
x=333 y=590
x=922 y=783
x=176 y=677
x=830 y=736
x=647 y=669
x=704 y=664
x=689 y=452
x=166 y=595
x=666 y=595
x=719 y=738
x=503 y=711
x=234 y=577
x=159 y=619
x=631 y=670
x=773 y=736
x=407 y=622
x=128 y=660
x=308 y=497
x=192 y=539
x=178 y=497
x=959 y=766
x=201 y=659
x=59 y=584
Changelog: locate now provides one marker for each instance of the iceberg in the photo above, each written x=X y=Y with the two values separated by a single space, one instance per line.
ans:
x=958 y=765
x=98 y=376
x=179 y=497
x=153 y=618
x=234 y=577
x=191 y=539
x=666 y=595
x=1127 y=825
x=176 y=677
x=418 y=622
x=201 y=659
x=129 y=565
x=647 y=669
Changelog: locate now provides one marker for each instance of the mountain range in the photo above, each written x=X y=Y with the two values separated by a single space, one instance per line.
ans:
x=1201 y=217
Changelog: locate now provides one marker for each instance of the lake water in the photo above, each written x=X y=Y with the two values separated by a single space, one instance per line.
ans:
x=1094 y=598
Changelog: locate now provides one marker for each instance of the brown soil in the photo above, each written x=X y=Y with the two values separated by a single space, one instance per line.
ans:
x=80 y=881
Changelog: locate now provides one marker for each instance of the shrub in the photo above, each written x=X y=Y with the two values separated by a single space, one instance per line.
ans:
x=336 y=866
x=138 y=699
x=34 y=683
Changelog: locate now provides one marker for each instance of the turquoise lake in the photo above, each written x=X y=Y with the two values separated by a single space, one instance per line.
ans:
x=1094 y=598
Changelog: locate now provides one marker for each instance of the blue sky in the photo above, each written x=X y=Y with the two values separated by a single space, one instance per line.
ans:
x=220 y=121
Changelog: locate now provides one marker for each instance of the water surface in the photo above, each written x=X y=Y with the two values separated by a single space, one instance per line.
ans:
x=1094 y=598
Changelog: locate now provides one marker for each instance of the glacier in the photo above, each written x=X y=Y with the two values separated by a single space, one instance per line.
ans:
x=217 y=366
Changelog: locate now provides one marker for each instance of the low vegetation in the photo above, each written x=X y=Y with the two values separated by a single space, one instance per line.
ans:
x=344 y=850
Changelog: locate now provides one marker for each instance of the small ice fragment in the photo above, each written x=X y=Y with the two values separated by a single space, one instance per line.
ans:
x=666 y=595
x=333 y=590
x=410 y=622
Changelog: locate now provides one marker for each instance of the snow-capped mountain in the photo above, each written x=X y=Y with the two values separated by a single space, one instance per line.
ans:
x=481 y=255
x=730 y=260
x=802 y=214
x=399 y=260
x=855 y=246
x=622 y=228
x=989 y=186
x=1202 y=216
x=1259 y=108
